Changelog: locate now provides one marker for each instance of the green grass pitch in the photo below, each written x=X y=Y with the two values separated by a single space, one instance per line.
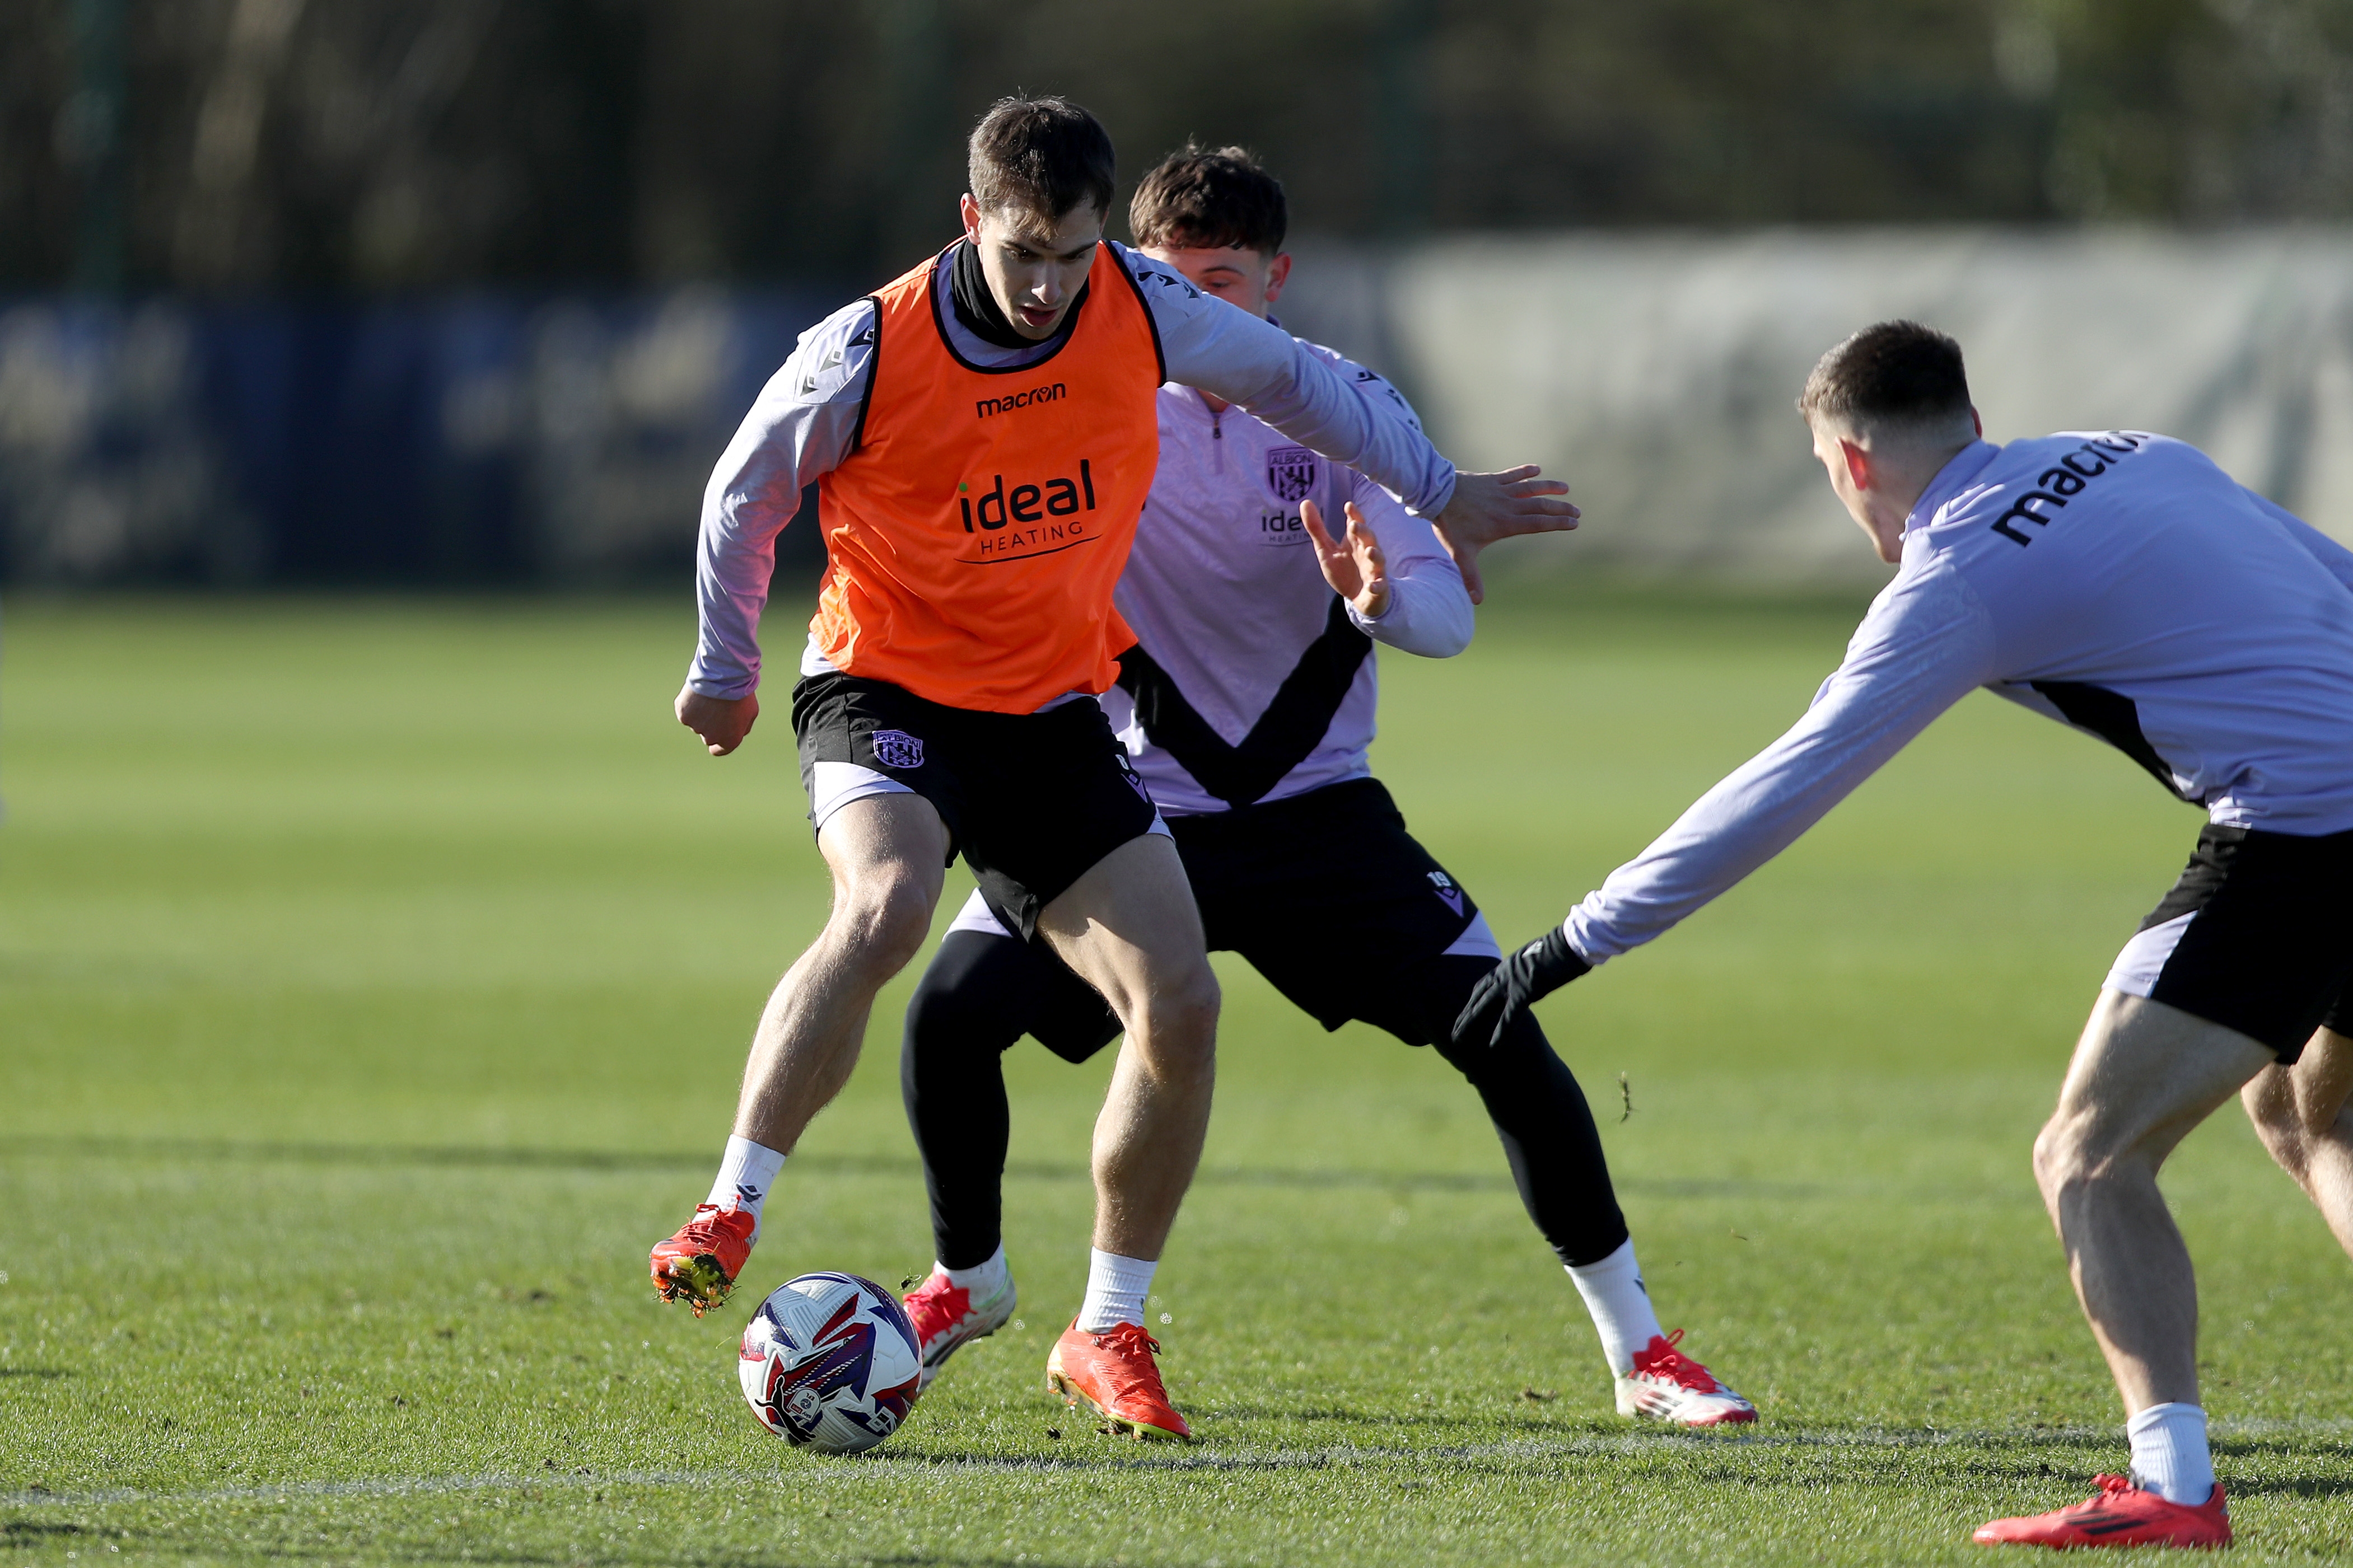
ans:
x=374 y=978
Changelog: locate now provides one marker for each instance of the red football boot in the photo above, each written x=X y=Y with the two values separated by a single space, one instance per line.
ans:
x=1667 y=1386
x=2121 y=1514
x=698 y=1265
x=1114 y=1371
x=946 y=1318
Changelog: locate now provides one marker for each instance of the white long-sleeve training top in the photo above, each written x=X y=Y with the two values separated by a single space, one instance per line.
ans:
x=2118 y=582
x=1240 y=630
x=805 y=420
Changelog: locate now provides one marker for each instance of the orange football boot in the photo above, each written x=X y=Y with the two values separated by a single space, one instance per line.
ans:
x=1114 y=1373
x=698 y=1265
x=2120 y=1514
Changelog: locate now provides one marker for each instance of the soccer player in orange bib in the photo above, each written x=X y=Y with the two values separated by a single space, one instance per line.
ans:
x=983 y=433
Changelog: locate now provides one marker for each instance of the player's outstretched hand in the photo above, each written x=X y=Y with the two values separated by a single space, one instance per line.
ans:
x=1489 y=506
x=1515 y=985
x=722 y=722
x=1356 y=570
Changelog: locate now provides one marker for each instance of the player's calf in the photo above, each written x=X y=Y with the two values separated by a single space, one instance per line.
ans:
x=1129 y=928
x=2300 y=1109
x=2143 y=1074
x=886 y=855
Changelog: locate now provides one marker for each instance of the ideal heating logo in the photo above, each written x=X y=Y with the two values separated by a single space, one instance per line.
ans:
x=1028 y=503
x=1030 y=518
x=982 y=407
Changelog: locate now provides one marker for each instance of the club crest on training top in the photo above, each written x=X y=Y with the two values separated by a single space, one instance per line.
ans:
x=1291 y=472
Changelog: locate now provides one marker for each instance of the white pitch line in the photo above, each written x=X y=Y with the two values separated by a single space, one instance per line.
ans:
x=1337 y=1457
x=385 y=1485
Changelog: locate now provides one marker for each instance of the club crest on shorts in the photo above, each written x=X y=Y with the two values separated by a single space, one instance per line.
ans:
x=898 y=749
x=1291 y=472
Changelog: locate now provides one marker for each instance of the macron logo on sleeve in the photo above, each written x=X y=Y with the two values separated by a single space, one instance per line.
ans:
x=833 y=361
x=2065 y=480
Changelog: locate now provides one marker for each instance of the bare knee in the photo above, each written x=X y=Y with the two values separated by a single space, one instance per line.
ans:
x=2143 y=1076
x=881 y=922
x=2058 y=1157
x=1176 y=1019
x=2074 y=1153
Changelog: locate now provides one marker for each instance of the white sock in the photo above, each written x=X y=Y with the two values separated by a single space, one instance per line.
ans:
x=982 y=1280
x=747 y=1172
x=1117 y=1288
x=2169 y=1456
x=1622 y=1311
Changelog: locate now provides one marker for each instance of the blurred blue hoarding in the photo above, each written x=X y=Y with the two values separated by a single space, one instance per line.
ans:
x=469 y=440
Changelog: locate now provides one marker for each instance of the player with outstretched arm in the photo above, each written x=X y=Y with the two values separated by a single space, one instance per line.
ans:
x=982 y=435
x=2120 y=582
x=1247 y=706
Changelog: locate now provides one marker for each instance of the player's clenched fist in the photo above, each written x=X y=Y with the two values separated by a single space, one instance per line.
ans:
x=722 y=722
x=1518 y=984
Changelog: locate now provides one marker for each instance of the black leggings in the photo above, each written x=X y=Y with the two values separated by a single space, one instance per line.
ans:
x=983 y=993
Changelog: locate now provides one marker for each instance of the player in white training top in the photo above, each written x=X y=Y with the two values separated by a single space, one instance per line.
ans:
x=1247 y=705
x=2120 y=582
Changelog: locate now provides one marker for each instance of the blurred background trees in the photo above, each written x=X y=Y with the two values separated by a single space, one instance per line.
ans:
x=369 y=146
x=471 y=291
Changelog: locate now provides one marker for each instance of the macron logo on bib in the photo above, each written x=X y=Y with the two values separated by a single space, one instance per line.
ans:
x=982 y=408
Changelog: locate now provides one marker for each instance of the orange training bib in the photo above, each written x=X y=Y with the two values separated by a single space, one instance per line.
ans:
x=976 y=529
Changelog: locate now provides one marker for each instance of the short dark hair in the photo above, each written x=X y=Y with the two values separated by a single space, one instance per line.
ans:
x=1896 y=373
x=1042 y=157
x=1209 y=199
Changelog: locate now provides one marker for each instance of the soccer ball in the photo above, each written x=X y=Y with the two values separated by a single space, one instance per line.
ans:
x=829 y=1363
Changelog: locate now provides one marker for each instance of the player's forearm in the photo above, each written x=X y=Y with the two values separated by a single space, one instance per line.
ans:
x=1752 y=815
x=731 y=589
x=1686 y=869
x=1317 y=408
x=1429 y=613
x=1865 y=713
x=736 y=556
x=1233 y=354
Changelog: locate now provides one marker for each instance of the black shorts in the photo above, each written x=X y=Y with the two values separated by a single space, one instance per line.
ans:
x=2257 y=936
x=1031 y=800
x=1324 y=893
